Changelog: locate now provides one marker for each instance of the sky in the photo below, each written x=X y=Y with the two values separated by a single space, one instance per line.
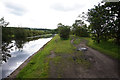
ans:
x=43 y=13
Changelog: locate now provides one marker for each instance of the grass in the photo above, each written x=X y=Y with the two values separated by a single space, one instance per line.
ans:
x=63 y=46
x=108 y=47
x=77 y=41
x=38 y=67
x=86 y=64
x=57 y=60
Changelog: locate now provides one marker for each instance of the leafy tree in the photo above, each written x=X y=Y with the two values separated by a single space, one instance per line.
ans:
x=3 y=23
x=104 y=22
x=113 y=19
x=80 y=29
x=5 y=51
x=5 y=33
x=63 y=31
x=96 y=17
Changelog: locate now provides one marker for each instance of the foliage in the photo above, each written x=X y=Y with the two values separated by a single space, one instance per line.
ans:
x=77 y=41
x=96 y=18
x=104 y=22
x=20 y=33
x=3 y=23
x=113 y=21
x=10 y=33
x=64 y=31
x=5 y=51
x=79 y=29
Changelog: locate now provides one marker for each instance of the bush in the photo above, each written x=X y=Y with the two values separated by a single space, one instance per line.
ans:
x=64 y=31
x=79 y=31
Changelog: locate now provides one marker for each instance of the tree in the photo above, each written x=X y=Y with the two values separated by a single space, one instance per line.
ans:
x=5 y=47
x=80 y=29
x=96 y=17
x=113 y=19
x=63 y=31
x=3 y=23
x=104 y=22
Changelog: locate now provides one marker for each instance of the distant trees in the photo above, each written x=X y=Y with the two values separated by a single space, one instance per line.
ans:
x=20 y=34
x=104 y=22
x=10 y=33
x=63 y=31
x=79 y=29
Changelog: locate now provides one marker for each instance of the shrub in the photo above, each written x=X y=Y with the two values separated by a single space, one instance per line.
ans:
x=64 y=31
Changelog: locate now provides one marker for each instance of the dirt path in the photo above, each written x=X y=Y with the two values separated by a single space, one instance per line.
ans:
x=68 y=66
x=101 y=66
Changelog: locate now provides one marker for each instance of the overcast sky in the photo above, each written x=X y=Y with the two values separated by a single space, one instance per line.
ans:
x=43 y=13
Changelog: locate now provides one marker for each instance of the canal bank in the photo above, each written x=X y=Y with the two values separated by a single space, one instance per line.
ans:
x=18 y=56
x=61 y=59
x=14 y=73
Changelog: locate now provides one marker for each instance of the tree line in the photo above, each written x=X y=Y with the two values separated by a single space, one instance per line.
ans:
x=79 y=28
x=104 y=24
x=20 y=35
x=10 y=33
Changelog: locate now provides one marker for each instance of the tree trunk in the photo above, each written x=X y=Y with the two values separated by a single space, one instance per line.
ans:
x=98 y=41
x=118 y=41
x=98 y=38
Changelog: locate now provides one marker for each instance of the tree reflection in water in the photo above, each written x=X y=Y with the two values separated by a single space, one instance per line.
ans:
x=7 y=48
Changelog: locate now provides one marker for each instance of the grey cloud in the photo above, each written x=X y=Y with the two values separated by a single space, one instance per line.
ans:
x=61 y=7
x=15 y=9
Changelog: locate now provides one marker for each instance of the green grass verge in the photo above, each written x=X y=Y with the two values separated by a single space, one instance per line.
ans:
x=77 y=41
x=108 y=48
x=38 y=67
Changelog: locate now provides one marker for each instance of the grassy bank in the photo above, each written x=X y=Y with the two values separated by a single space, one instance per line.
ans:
x=53 y=60
x=39 y=67
x=108 y=48
x=57 y=57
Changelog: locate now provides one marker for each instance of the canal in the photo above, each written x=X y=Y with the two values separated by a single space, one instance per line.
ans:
x=19 y=55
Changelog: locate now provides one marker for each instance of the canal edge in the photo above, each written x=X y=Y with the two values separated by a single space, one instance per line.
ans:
x=16 y=71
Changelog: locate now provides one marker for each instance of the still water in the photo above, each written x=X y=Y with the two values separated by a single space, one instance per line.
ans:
x=18 y=56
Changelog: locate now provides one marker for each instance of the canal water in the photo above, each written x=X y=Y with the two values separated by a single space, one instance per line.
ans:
x=18 y=56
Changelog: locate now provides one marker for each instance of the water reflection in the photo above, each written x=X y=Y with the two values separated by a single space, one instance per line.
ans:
x=7 y=47
x=21 y=53
x=17 y=44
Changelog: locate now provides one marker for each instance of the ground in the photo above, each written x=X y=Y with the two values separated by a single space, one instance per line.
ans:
x=61 y=59
x=89 y=64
